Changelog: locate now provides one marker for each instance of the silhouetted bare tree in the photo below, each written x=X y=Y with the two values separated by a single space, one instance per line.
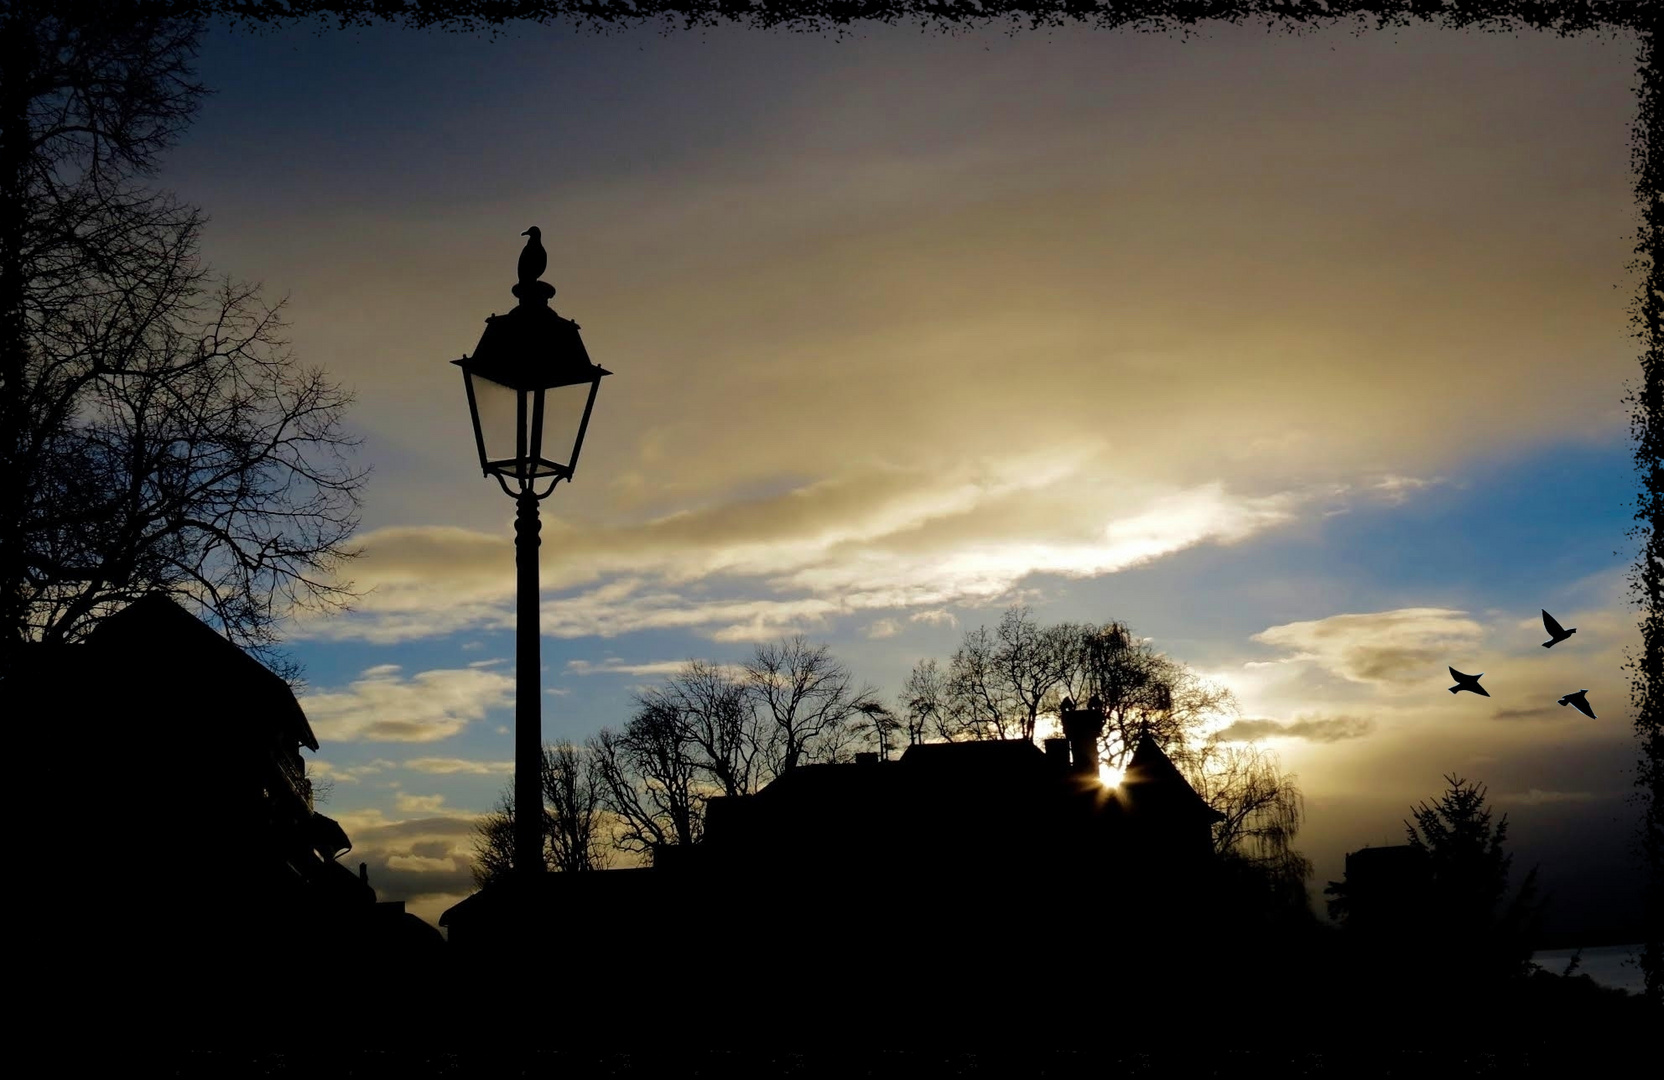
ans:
x=705 y=731
x=718 y=724
x=494 y=841
x=879 y=726
x=155 y=432
x=1034 y=663
x=572 y=795
x=1142 y=690
x=574 y=836
x=981 y=706
x=1000 y=681
x=924 y=703
x=650 y=781
x=806 y=698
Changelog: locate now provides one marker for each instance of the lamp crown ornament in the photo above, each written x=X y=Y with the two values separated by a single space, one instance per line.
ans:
x=533 y=261
x=531 y=386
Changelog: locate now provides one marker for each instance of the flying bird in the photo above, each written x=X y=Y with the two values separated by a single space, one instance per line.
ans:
x=533 y=259
x=1468 y=682
x=1579 y=702
x=1555 y=631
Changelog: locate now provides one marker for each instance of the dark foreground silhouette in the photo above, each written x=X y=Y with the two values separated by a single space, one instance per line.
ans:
x=980 y=907
x=181 y=882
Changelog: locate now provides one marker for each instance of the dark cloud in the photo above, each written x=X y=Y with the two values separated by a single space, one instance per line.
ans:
x=1389 y=664
x=1404 y=646
x=1314 y=729
x=1541 y=712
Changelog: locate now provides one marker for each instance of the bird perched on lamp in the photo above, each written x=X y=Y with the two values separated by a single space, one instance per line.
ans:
x=533 y=259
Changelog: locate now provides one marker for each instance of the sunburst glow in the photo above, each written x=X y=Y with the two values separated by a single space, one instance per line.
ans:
x=1110 y=775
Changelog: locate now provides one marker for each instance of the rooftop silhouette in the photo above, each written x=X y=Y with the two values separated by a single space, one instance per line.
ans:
x=155 y=712
x=957 y=872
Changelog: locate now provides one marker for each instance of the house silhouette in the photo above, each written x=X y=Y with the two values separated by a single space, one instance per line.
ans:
x=962 y=871
x=176 y=823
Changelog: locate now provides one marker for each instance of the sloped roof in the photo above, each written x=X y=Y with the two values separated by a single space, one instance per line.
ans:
x=1151 y=776
x=157 y=634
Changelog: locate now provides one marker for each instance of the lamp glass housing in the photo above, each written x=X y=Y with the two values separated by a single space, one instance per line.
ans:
x=531 y=388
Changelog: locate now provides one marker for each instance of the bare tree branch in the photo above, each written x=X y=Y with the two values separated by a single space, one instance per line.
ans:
x=156 y=434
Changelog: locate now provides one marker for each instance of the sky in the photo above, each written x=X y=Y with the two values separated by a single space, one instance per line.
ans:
x=1305 y=356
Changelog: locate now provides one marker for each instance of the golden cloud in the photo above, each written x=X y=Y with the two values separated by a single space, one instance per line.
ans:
x=425 y=861
x=1312 y=729
x=382 y=706
x=443 y=766
x=894 y=541
x=1402 y=647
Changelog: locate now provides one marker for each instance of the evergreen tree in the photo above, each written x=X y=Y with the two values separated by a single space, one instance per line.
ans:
x=1464 y=910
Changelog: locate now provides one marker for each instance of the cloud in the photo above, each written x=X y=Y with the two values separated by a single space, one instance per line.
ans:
x=883 y=628
x=1401 y=648
x=326 y=770
x=418 y=804
x=425 y=861
x=380 y=706
x=615 y=666
x=1317 y=730
x=1538 y=797
x=889 y=335
x=1396 y=490
x=421 y=864
x=1540 y=712
x=934 y=617
x=888 y=540
x=445 y=766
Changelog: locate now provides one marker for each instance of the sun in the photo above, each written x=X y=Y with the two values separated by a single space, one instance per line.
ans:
x=1109 y=775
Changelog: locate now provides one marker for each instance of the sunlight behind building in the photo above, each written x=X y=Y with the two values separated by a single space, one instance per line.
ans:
x=1110 y=775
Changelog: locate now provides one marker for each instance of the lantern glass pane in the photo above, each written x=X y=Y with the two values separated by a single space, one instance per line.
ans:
x=499 y=418
x=563 y=412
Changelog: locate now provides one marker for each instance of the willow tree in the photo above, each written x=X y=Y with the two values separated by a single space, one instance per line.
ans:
x=1263 y=811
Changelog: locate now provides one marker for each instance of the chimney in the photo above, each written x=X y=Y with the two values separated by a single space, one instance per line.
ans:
x=1081 y=727
x=364 y=872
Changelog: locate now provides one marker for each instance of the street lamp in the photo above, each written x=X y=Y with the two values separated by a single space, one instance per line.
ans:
x=531 y=387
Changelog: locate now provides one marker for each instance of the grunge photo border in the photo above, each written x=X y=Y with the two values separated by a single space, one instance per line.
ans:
x=1563 y=18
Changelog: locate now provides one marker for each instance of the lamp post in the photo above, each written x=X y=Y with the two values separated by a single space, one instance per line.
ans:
x=531 y=387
